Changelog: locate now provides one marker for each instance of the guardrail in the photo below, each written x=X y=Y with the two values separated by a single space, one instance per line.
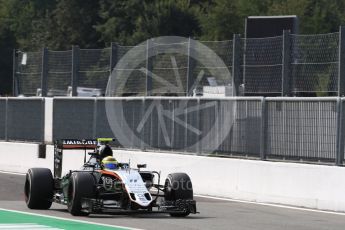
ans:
x=22 y=119
x=283 y=128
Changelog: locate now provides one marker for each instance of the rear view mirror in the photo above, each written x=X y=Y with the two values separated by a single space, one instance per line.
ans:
x=141 y=166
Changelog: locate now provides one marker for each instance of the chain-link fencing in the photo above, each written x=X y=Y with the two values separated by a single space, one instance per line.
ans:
x=262 y=66
x=135 y=82
x=59 y=71
x=314 y=64
x=28 y=72
x=94 y=68
x=287 y=65
x=203 y=69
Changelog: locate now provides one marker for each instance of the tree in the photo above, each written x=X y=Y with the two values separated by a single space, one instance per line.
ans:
x=130 y=22
x=118 y=18
x=167 y=18
x=23 y=18
x=316 y=16
x=323 y=16
x=73 y=23
x=226 y=17
x=7 y=43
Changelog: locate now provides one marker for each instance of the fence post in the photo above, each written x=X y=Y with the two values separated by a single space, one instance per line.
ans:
x=142 y=134
x=341 y=66
x=6 y=120
x=44 y=74
x=113 y=56
x=340 y=133
x=148 y=68
x=14 y=74
x=43 y=106
x=199 y=143
x=75 y=69
x=286 y=53
x=236 y=64
x=94 y=127
x=263 y=135
x=190 y=64
x=341 y=93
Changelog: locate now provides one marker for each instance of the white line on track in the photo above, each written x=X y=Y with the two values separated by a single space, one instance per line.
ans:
x=68 y=219
x=240 y=201
x=13 y=173
x=26 y=226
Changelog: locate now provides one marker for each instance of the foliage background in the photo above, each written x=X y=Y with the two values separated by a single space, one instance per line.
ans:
x=57 y=24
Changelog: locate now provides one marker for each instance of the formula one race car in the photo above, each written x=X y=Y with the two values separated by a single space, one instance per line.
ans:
x=96 y=188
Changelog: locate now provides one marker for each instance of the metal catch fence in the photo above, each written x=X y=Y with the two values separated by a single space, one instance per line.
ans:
x=287 y=65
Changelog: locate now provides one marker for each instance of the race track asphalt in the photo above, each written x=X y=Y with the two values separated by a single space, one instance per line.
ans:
x=214 y=214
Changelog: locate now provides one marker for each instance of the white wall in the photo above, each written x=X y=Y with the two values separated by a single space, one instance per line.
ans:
x=48 y=120
x=19 y=157
x=312 y=186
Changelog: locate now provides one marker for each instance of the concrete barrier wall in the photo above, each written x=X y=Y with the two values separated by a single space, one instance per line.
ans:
x=303 y=185
x=19 y=157
x=48 y=120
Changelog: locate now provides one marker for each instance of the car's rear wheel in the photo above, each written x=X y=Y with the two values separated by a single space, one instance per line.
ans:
x=81 y=185
x=178 y=186
x=39 y=188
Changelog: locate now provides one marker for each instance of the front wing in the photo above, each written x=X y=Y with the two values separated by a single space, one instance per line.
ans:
x=100 y=206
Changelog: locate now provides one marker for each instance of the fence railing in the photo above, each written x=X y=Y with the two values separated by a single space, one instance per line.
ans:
x=22 y=119
x=283 y=128
x=287 y=65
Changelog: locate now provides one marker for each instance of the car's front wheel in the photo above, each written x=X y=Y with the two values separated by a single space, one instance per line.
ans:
x=81 y=185
x=178 y=186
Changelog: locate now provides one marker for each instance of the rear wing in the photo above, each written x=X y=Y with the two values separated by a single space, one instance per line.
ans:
x=75 y=144
x=70 y=144
x=60 y=145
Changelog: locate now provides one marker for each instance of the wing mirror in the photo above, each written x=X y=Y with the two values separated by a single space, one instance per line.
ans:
x=141 y=166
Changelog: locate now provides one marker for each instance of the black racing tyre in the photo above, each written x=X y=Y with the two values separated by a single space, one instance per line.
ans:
x=178 y=186
x=81 y=185
x=39 y=188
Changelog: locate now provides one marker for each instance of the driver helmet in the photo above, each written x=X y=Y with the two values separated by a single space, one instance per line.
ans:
x=105 y=151
x=109 y=162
